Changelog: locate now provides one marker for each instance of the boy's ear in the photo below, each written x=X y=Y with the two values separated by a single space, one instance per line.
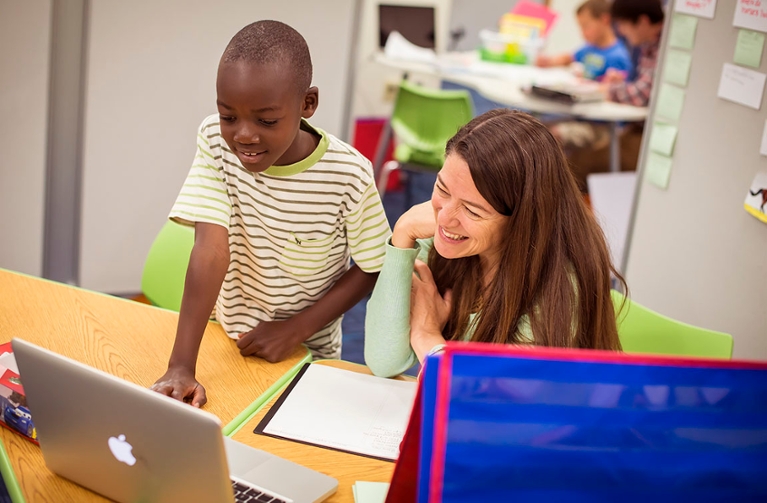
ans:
x=311 y=100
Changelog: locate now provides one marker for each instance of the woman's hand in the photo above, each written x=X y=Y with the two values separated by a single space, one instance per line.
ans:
x=416 y=223
x=429 y=311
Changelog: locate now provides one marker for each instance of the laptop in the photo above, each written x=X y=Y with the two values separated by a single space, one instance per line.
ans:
x=131 y=444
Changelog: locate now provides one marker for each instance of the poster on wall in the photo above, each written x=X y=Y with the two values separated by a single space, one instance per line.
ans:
x=756 y=199
x=751 y=14
x=701 y=8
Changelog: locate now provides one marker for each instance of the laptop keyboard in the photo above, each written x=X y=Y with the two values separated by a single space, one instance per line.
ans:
x=245 y=493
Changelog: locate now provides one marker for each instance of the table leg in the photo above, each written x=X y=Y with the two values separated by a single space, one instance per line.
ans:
x=615 y=147
x=383 y=144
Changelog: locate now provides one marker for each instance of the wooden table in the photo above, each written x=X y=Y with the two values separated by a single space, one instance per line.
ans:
x=347 y=468
x=126 y=339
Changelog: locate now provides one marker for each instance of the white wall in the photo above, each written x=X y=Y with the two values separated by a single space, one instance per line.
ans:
x=565 y=36
x=25 y=39
x=150 y=82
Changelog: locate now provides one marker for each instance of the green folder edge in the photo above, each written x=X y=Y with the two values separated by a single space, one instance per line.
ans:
x=11 y=484
x=251 y=410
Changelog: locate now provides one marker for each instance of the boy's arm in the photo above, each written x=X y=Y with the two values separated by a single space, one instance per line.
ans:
x=275 y=340
x=207 y=267
x=545 y=61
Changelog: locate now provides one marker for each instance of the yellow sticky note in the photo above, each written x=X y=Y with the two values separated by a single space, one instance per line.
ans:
x=663 y=138
x=682 y=32
x=658 y=169
x=670 y=102
x=676 y=70
x=748 y=49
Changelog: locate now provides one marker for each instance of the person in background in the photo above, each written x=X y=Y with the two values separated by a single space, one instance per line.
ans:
x=603 y=51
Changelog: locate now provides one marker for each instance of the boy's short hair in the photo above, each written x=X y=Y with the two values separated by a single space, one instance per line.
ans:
x=266 y=42
x=632 y=10
x=596 y=8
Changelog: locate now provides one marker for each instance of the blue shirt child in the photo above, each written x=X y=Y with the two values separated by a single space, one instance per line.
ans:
x=596 y=60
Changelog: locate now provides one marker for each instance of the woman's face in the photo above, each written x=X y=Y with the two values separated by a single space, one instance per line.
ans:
x=466 y=223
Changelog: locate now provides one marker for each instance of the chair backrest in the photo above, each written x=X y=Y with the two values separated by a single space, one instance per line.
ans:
x=642 y=330
x=162 y=281
x=425 y=119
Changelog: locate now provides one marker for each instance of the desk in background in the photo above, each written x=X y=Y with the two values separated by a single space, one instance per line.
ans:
x=124 y=338
x=347 y=468
x=502 y=82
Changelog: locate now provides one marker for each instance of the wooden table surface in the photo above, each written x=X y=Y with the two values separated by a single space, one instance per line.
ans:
x=346 y=468
x=126 y=339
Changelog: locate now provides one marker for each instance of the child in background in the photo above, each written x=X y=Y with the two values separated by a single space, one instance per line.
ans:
x=279 y=207
x=602 y=52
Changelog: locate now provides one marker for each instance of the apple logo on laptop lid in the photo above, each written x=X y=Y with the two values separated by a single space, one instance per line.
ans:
x=122 y=450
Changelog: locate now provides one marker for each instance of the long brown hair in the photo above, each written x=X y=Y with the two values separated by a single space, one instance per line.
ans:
x=554 y=267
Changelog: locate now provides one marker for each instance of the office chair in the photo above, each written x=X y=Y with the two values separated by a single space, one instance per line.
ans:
x=423 y=121
x=642 y=330
x=162 y=280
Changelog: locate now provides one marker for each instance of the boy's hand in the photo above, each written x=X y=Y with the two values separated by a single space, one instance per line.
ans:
x=416 y=223
x=179 y=383
x=543 y=61
x=272 y=340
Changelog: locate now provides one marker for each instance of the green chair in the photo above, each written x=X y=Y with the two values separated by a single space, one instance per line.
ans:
x=644 y=331
x=162 y=281
x=423 y=121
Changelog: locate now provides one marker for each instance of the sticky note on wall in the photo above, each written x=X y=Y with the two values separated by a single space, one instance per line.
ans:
x=676 y=69
x=658 y=169
x=682 y=33
x=748 y=49
x=663 y=138
x=670 y=102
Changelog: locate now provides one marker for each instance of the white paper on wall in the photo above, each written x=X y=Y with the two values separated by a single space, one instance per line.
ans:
x=742 y=86
x=751 y=14
x=700 y=8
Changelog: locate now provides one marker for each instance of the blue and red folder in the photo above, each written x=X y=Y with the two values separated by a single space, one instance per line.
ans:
x=499 y=423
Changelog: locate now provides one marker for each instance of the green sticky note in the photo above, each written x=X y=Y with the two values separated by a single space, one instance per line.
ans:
x=658 y=170
x=670 y=102
x=677 y=67
x=370 y=492
x=748 y=49
x=682 y=32
x=663 y=138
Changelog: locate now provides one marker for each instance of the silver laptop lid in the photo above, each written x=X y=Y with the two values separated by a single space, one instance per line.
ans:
x=119 y=439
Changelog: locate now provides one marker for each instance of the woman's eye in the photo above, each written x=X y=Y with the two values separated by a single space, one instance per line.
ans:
x=441 y=190
x=471 y=213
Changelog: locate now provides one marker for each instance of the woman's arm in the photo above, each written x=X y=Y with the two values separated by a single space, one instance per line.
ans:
x=387 y=322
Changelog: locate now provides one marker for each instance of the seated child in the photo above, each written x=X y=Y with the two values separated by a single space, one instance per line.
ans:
x=603 y=50
x=279 y=207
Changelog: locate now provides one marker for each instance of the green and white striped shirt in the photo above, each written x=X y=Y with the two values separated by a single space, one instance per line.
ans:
x=292 y=229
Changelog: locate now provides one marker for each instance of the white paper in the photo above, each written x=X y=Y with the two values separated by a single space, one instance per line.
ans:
x=700 y=8
x=751 y=14
x=763 y=149
x=346 y=410
x=398 y=47
x=742 y=85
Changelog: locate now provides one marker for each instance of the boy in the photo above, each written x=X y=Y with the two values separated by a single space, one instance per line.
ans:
x=602 y=51
x=278 y=208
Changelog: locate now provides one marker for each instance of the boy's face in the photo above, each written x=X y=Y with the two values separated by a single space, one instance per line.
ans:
x=261 y=109
x=593 y=29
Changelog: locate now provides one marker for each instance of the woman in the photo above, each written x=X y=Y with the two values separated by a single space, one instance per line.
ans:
x=514 y=255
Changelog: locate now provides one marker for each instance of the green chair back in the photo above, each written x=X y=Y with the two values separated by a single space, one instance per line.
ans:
x=424 y=120
x=644 y=331
x=162 y=281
